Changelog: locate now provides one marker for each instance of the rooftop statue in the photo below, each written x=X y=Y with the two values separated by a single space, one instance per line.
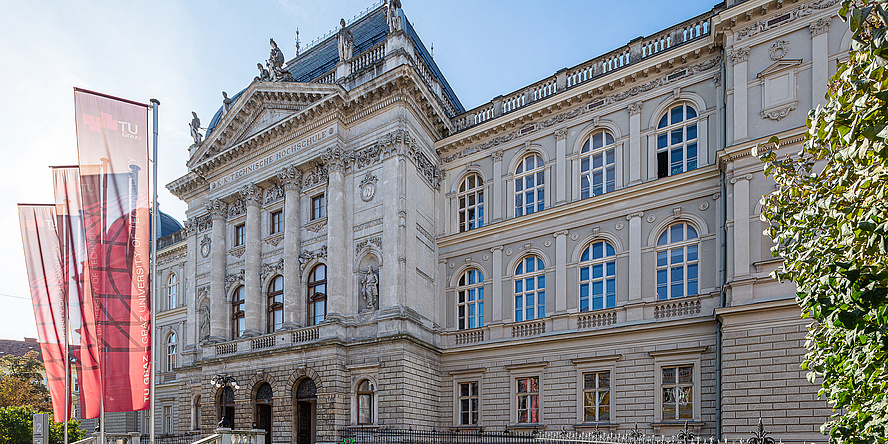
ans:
x=346 y=44
x=195 y=128
x=276 y=64
x=226 y=102
x=276 y=58
x=391 y=15
x=263 y=76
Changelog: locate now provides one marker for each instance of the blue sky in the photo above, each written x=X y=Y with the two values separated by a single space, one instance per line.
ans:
x=185 y=53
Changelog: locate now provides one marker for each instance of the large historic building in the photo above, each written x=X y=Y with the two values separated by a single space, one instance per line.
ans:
x=585 y=252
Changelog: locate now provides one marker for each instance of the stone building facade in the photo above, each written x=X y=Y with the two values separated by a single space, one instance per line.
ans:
x=585 y=252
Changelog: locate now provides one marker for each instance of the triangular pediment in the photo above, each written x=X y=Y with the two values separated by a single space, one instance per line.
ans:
x=779 y=65
x=260 y=107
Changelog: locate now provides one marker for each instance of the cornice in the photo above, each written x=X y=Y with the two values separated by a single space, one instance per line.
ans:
x=745 y=148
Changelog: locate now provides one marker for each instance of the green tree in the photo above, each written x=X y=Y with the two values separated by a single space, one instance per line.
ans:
x=829 y=221
x=16 y=427
x=21 y=382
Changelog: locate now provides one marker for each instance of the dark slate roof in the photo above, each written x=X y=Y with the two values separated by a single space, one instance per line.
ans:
x=168 y=225
x=19 y=348
x=366 y=32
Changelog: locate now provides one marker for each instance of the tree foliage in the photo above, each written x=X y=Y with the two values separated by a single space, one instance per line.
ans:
x=829 y=221
x=16 y=427
x=21 y=382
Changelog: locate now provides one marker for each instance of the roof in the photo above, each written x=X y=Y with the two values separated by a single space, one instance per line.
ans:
x=366 y=31
x=168 y=225
x=19 y=348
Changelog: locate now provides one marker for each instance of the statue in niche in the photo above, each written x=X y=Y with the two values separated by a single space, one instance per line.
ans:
x=391 y=15
x=346 y=44
x=204 y=322
x=370 y=288
x=263 y=76
x=195 y=128
x=226 y=103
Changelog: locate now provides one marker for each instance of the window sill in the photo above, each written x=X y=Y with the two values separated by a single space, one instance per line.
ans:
x=585 y=426
x=467 y=428
x=531 y=426
x=362 y=427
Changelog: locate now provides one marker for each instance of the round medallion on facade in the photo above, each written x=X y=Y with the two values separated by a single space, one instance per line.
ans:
x=509 y=252
x=651 y=218
x=574 y=236
x=704 y=206
x=619 y=226
x=486 y=256
x=548 y=243
x=367 y=191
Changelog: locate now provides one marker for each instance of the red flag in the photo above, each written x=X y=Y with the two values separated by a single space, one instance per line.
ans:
x=45 y=275
x=113 y=148
x=81 y=312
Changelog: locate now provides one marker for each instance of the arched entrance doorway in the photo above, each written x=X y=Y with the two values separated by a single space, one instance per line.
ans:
x=263 y=409
x=305 y=403
x=226 y=408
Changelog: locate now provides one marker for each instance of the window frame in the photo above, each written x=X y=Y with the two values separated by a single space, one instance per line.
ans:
x=238 y=313
x=668 y=132
x=370 y=395
x=463 y=320
x=240 y=235
x=590 y=263
x=274 y=306
x=314 y=297
x=671 y=358
x=587 y=155
x=539 y=186
x=522 y=278
x=167 y=425
x=172 y=291
x=317 y=207
x=171 y=351
x=477 y=208
x=668 y=268
x=529 y=370
x=275 y=222
x=596 y=364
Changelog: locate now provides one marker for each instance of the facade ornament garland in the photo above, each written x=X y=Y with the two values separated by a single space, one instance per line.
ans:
x=233 y=279
x=307 y=256
x=634 y=108
x=316 y=226
x=237 y=251
x=819 y=26
x=217 y=209
x=272 y=268
x=739 y=55
x=275 y=241
x=316 y=176
x=368 y=156
x=778 y=50
x=364 y=244
x=782 y=19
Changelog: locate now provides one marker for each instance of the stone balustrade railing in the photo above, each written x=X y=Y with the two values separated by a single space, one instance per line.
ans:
x=529 y=329
x=228 y=436
x=595 y=319
x=368 y=57
x=280 y=339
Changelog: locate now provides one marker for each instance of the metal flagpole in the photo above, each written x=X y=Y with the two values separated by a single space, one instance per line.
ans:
x=65 y=293
x=154 y=227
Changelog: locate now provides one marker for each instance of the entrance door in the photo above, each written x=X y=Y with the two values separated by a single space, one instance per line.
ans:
x=263 y=418
x=305 y=406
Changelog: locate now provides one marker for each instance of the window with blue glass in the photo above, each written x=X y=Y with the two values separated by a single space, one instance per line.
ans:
x=598 y=165
x=530 y=289
x=598 y=276
x=471 y=203
x=530 y=185
x=470 y=296
x=677 y=141
x=678 y=262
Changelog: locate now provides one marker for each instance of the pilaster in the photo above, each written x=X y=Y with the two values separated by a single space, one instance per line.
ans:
x=496 y=274
x=337 y=161
x=560 y=166
x=819 y=64
x=560 y=271
x=634 y=143
x=739 y=58
x=635 y=271
x=497 y=201
x=189 y=283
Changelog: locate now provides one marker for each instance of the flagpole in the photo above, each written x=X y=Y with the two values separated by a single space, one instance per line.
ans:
x=154 y=227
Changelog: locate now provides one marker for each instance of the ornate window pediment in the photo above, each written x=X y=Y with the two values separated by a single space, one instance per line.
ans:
x=779 y=88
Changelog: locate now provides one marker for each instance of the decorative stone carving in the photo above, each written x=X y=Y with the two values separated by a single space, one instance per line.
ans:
x=205 y=244
x=275 y=241
x=561 y=134
x=634 y=108
x=366 y=243
x=368 y=156
x=290 y=178
x=272 y=268
x=217 y=209
x=317 y=225
x=391 y=15
x=237 y=251
x=237 y=208
x=739 y=55
x=345 y=43
x=819 y=26
x=251 y=195
x=497 y=156
x=276 y=64
x=778 y=50
x=779 y=113
x=226 y=103
x=232 y=279
x=316 y=176
x=263 y=76
x=368 y=187
x=704 y=206
x=368 y=224
x=651 y=218
x=204 y=313
x=194 y=126
x=782 y=19
x=307 y=256
x=337 y=159
x=274 y=194
x=370 y=288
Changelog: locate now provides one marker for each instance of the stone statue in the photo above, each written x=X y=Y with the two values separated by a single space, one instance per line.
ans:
x=370 y=288
x=276 y=58
x=195 y=128
x=264 y=76
x=391 y=15
x=346 y=44
x=226 y=103
x=275 y=64
x=204 y=322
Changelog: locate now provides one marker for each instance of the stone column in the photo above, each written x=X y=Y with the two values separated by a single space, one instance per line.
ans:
x=191 y=335
x=741 y=113
x=560 y=271
x=252 y=196
x=634 y=143
x=819 y=65
x=560 y=166
x=635 y=271
x=496 y=300
x=294 y=305
x=337 y=160
x=218 y=313
x=497 y=201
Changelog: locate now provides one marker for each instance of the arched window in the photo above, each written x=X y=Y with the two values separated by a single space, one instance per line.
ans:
x=598 y=173
x=172 y=291
x=317 y=294
x=171 y=345
x=598 y=274
x=238 y=320
x=530 y=184
x=530 y=289
x=471 y=203
x=365 y=402
x=677 y=261
x=276 y=304
x=677 y=141
x=470 y=295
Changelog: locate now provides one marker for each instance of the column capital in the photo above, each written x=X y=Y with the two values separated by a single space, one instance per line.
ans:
x=497 y=248
x=560 y=233
x=251 y=194
x=739 y=55
x=497 y=156
x=337 y=159
x=736 y=179
x=634 y=108
x=634 y=215
x=218 y=209
x=291 y=178
x=819 y=26
x=560 y=134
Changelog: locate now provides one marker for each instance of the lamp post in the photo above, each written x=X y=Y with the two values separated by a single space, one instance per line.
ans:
x=218 y=382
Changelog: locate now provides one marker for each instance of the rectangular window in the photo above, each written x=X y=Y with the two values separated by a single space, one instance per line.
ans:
x=318 y=207
x=276 y=220
x=596 y=396
x=468 y=403
x=239 y=235
x=528 y=400
x=168 y=419
x=677 y=386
